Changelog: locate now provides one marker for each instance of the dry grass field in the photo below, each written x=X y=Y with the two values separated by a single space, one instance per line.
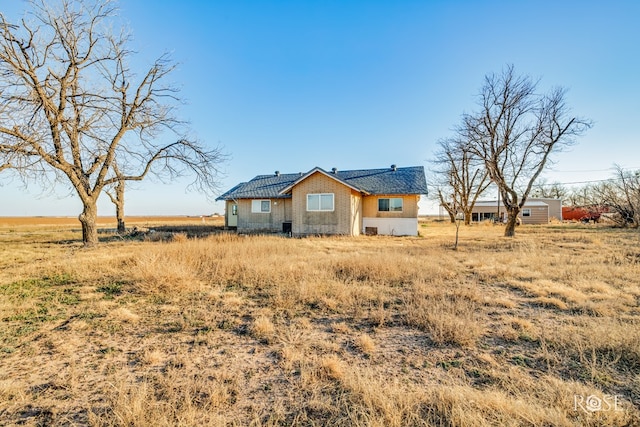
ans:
x=225 y=330
x=18 y=223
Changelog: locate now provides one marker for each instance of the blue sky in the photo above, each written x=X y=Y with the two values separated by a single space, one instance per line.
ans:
x=289 y=85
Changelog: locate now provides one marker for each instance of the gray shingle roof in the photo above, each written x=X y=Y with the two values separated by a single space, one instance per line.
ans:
x=261 y=187
x=407 y=180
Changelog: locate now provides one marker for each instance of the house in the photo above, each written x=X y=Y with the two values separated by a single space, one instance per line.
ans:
x=350 y=202
x=534 y=211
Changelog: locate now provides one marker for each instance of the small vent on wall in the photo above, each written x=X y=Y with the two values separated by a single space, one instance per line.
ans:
x=371 y=231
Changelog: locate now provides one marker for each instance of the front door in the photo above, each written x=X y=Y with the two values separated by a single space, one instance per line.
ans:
x=232 y=220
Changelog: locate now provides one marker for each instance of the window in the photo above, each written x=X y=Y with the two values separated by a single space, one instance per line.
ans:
x=261 y=206
x=526 y=212
x=393 y=204
x=320 y=202
x=234 y=209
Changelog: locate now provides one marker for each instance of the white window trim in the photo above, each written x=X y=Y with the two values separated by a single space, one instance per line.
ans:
x=333 y=202
x=389 y=198
x=258 y=202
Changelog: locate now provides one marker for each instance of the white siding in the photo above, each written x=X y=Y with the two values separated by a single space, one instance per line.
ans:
x=393 y=226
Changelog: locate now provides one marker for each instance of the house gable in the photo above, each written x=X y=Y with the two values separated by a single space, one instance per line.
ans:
x=335 y=221
x=333 y=175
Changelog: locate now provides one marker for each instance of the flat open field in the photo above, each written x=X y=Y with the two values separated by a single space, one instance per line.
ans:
x=539 y=330
x=104 y=221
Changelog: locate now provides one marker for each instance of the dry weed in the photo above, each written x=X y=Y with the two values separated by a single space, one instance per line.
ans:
x=365 y=344
x=340 y=328
x=448 y=318
x=153 y=357
x=263 y=329
x=550 y=302
x=179 y=237
x=332 y=367
x=123 y=314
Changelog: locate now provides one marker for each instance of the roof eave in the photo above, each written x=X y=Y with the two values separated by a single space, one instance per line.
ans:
x=253 y=197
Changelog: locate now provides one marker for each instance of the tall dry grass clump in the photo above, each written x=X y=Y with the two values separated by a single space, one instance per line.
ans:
x=166 y=401
x=450 y=314
x=365 y=344
x=263 y=328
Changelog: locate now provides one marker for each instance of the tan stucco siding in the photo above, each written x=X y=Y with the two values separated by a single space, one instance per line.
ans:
x=338 y=221
x=288 y=210
x=251 y=221
x=409 y=206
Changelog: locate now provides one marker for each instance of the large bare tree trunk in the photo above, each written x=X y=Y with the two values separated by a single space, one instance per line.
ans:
x=467 y=217
x=120 y=218
x=89 y=218
x=512 y=221
x=119 y=202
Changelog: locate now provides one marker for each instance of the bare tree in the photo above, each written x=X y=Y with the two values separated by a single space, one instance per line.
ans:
x=116 y=195
x=458 y=218
x=554 y=190
x=515 y=131
x=447 y=203
x=71 y=107
x=462 y=175
x=622 y=197
x=174 y=160
x=582 y=196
